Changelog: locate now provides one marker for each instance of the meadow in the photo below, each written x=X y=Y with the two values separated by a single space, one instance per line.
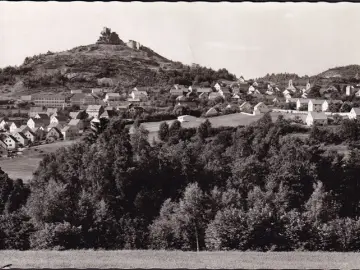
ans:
x=178 y=259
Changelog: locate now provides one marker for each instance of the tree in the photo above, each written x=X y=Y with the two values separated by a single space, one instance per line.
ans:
x=314 y=92
x=163 y=132
x=204 y=130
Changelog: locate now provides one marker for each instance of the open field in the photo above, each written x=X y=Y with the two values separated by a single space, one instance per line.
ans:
x=179 y=259
x=23 y=166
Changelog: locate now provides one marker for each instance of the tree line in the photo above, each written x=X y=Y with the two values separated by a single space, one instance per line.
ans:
x=258 y=187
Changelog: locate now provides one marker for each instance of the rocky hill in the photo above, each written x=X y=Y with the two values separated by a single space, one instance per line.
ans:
x=107 y=63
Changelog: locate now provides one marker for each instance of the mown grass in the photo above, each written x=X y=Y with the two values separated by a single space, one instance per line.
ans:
x=179 y=259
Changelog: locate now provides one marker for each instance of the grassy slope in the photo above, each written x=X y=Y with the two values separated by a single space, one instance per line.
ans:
x=179 y=259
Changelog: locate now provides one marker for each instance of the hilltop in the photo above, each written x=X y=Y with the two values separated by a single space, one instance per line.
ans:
x=109 y=62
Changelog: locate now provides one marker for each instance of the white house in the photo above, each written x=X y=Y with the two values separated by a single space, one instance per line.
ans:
x=21 y=138
x=301 y=102
x=349 y=90
x=287 y=94
x=316 y=117
x=137 y=94
x=354 y=113
x=261 y=108
x=217 y=86
x=3 y=124
x=326 y=104
x=315 y=105
x=112 y=97
x=70 y=132
x=78 y=123
x=10 y=142
x=13 y=127
x=251 y=89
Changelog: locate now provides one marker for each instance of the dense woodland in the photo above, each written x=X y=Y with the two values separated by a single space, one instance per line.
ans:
x=259 y=187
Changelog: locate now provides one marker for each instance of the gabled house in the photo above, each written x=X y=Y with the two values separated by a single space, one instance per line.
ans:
x=94 y=110
x=78 y=115
x=251 y=89
x=42 y=116
x=3 y=124
x=30 y=135
x=33 y=123
x=9 y=143
x=137 y=94
x=315 y=105
x=354 y=113
x=260 y=108
x=301 y=103
x=52 y=111
x=225 y=92
x=54 y=134
x=59 y=126
x=245 y=107
x=40 y=133
x=291 y=87
x=316 y=117
x=217 y=86
x=214 y=95
x=80 y=124
x=287 y=94
x=13 y=126
x=23 y=128
x=212 y=112
x=70 y=132
x=21 y=138
x=60 y=119
x=326 y=104
x=112 y=97
x=235 y=97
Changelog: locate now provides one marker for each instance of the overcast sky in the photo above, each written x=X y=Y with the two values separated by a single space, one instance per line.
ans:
x=249 y=39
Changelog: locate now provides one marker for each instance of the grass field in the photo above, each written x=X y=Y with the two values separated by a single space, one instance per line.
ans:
x=23 y=166
x=177 y=259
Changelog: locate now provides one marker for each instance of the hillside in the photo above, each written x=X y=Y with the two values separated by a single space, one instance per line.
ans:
x=101 y=64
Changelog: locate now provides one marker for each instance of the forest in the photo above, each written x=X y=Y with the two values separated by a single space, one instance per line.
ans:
x=258 y=187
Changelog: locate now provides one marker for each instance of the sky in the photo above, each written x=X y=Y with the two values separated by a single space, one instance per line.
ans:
x=248 y=39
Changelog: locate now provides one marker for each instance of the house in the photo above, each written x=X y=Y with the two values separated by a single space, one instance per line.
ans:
x=275 y=101
x=260 y=108
x=212 y=112
x=94 y=110
x=202 y=90
x=77 y=115
x=316 y=117
x=349 y=90
x=39 y=132
x=112 y=97
x=177 y=90
x=3 y=124
x=50 y=100
x=255 y=84
x=287 y=94
x=301 y=103
x=23 y=128
x=235 y=97
x=217 y=87
x=78 y=123
x=70 y=132
x=42 y=116
x=36 y=110
x=82 y=99
x=59 y=126
x=214 y=95
x=245 y=107
x=354 y=113
x=21 y=138
x=9 y=142
x=13 y=126
x=60 y=119
x=124 y=106
x=52 y=111
x=241 y=79
x=108 y=114
x=54 y=134
x=251 y=89
x=76 y=91
x=225 y=92
x=291 y=87
x=97 y=91
x=186 y=118
x=315 y=105
x=326 y=104
x=26 y=98
x=33 y=123
x=137 y=94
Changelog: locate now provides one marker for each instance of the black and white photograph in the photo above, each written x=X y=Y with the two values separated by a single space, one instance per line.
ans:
x=190 y=135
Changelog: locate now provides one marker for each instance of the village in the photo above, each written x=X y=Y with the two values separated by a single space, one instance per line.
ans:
x=54 y=117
